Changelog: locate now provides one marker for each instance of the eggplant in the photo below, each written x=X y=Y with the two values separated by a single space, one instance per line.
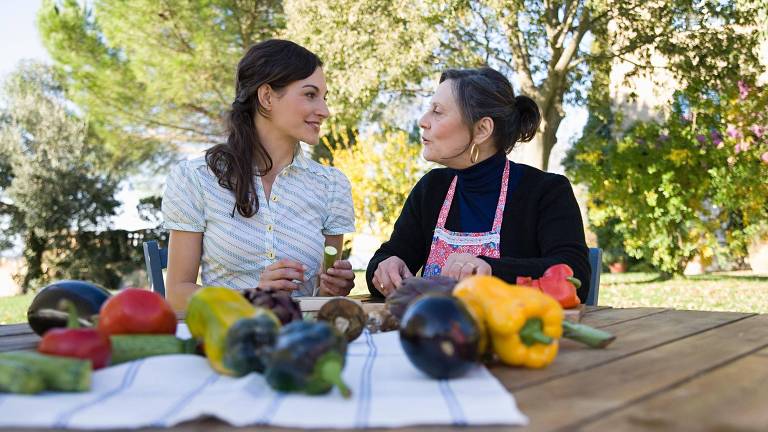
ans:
x=413 y=287
x=439 y=336
x=45 y=312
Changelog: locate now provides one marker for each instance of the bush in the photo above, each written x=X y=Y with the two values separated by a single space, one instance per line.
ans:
x=383 y=168
x=691 y=185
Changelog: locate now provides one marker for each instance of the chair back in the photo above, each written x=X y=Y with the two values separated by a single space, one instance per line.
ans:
x=596 y=264
x=156 y=259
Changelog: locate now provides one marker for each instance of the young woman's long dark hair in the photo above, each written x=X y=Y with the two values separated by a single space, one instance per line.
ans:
x=277 y=63
x=485 y=92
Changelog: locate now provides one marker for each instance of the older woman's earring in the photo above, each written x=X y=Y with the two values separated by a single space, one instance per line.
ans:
x=474 y=153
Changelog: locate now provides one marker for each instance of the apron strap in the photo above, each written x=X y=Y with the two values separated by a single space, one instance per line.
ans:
x=446 y=204
x=502 y=199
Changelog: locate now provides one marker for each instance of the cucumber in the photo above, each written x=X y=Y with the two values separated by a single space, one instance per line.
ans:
x=58 y=373
x=133 y=347
x=17 y=377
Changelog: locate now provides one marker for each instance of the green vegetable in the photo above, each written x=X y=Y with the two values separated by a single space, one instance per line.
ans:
x=329 y=256
x=130 y=347
x=19 y=378
x=249 y=343
x=308 y=358
x=58 y=373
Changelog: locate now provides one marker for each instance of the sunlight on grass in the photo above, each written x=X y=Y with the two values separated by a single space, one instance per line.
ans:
x=714 y=292
x=14 y=309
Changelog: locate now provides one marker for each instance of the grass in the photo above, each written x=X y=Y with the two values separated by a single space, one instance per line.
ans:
x=735 y=292
x=14 y=309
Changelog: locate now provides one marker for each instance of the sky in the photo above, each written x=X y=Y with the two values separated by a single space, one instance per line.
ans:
x=18 y=29
x=19 y=33
x=17 y=24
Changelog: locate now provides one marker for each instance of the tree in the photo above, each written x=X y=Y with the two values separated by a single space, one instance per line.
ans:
x=382 y=168
x=151 y=75
x=544 y=43
x=51 y=185
x=692 y=184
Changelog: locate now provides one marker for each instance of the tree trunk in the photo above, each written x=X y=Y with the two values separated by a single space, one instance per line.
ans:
x=33 y=257
x=536 y=152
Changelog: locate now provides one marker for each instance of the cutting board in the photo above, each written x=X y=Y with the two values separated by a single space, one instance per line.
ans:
x=369 y=304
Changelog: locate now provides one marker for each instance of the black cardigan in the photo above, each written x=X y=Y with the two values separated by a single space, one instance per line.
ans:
x=542 y=227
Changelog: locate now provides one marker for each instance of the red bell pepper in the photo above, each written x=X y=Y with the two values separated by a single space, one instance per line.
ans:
x=558 y=282
x=83 y=343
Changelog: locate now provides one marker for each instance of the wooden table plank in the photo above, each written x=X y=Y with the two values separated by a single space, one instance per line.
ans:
x=632 y=336
x=607 y=317
x=19 y=342
x=730 y=398
x=587 y=396
x=14 y=329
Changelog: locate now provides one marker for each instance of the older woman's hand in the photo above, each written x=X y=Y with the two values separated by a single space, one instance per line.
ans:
x=390 y=274
x=337 y=280
x=462 y=265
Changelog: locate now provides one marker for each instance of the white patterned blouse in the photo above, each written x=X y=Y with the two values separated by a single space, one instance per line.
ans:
x=308 y=200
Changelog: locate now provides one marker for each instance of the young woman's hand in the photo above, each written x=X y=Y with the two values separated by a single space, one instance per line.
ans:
x=282 y=274
x=462 y=265
x=390 y=274
x=337 y=280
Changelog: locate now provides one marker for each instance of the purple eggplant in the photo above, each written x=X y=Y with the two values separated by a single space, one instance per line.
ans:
x=439 y=336
x=46 y=311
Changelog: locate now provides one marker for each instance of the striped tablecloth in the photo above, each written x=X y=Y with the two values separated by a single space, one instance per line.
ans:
x=387 y=391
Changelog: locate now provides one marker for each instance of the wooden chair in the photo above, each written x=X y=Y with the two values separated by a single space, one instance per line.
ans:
x=596 y=264
x=156 y=260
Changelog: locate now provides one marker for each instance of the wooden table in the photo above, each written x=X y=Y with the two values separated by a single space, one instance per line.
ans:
x=667 y=370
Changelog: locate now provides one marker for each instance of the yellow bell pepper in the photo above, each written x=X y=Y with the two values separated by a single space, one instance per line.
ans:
x=523 y=324
x=211 y=312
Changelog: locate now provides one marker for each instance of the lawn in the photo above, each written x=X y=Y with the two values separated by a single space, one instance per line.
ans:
x=14 y=309
x=737 y=292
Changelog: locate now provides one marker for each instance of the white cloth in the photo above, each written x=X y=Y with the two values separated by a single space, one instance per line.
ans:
x=307 y=201
x=387 y=391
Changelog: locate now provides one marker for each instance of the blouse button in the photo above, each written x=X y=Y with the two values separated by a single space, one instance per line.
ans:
x=269 y=228
x=271 y=255
x=274 y=198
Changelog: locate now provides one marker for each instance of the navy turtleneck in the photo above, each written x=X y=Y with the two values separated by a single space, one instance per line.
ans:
x=477 y=192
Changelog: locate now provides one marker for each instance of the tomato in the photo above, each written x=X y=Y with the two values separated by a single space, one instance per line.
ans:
x=137 y=311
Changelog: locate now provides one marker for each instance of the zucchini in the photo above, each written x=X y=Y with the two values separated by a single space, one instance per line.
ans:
x=126 y=348
x=58 y=373
x=17 y=377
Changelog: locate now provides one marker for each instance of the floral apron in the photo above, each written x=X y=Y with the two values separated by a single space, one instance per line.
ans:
x=446 y=243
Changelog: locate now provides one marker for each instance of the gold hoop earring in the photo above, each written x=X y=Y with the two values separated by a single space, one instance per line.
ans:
x=474 y=153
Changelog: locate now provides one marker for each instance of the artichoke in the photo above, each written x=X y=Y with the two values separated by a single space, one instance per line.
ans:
x=279 y=302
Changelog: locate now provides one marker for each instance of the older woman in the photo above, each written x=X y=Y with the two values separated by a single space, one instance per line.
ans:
x=481 y=214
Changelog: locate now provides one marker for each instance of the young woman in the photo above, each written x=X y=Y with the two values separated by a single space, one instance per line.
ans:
x=481 y=214
x=256 y=212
